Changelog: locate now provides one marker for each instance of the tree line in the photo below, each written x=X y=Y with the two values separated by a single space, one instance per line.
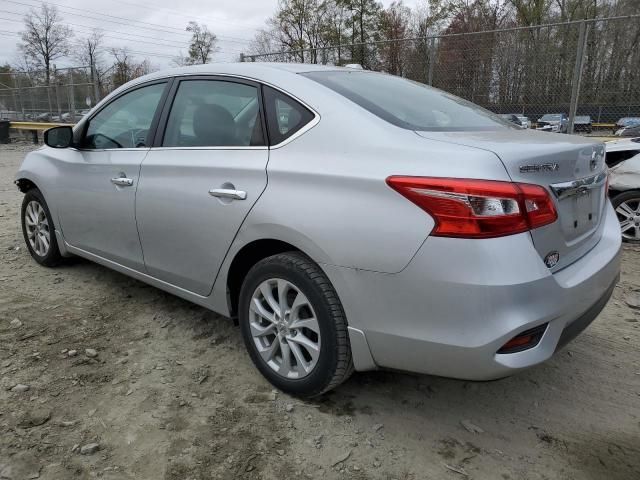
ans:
x=46 y=39
x=514 y=66
x=515 y=69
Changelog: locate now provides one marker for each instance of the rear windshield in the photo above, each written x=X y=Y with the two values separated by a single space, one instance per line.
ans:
x=408 y=104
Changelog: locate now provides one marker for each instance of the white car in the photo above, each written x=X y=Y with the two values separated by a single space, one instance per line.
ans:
x=623 y=159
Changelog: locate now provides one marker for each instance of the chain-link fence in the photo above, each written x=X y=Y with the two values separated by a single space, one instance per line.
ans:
x=68 y=94
x=586 y=71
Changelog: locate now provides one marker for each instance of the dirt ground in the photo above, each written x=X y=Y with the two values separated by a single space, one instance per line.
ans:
x=172 y=395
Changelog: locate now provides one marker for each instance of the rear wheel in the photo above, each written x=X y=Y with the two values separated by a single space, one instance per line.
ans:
x=38 y=229
x=627 y=206
x=294 y=326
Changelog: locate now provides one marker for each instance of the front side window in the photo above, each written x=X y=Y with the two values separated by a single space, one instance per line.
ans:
x=408 y=104
x=125 y=122
x=214 y=113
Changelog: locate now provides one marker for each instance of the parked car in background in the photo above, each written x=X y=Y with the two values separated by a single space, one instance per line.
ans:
x=582 y=123
x=632 y=130
x=627 y=122
x=515 y=119
x=43 y=117
x=312 y=204
x=553 y=122
x=623 y=159
x=524 y=121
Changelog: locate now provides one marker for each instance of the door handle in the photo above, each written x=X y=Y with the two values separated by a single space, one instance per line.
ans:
x=122 y=181
x=228 y=193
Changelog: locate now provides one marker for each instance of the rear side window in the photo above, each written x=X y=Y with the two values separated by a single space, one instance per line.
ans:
x=214 y=113
x=285 y=116
x=408 y=104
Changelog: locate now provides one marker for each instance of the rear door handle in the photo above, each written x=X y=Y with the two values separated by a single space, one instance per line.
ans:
x=122 y=181
x=228 y=193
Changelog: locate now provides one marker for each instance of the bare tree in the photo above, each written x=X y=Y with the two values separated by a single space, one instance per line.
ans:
x=394 y=24
x=180 y=60
x=202 y=44
x=266 y=41
x=45 y=38
x=125 y=68
x=89 y=52
x=122 y=66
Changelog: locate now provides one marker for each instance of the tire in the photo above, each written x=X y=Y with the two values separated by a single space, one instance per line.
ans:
x=294 y=273
x=632 y=200
x=34 y=203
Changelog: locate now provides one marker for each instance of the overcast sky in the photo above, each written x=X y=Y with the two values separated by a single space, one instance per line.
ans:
x=148 y=28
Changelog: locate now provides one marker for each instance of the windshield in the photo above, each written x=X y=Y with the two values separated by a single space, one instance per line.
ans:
x=551 y=117
x=629 y=121
x=582 y=119
x=408 y=104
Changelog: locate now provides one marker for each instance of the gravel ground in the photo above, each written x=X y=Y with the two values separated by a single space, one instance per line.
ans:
x=103 y=376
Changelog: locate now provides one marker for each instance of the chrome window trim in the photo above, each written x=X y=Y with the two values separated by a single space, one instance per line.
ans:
x=302 y=131
x=261 y=147
x=128 y=149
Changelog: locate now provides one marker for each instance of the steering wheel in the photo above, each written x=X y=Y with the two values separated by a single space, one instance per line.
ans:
x=97 y=136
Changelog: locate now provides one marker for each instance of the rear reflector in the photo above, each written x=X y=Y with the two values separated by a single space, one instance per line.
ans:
x=525 y=340
x=469 y=208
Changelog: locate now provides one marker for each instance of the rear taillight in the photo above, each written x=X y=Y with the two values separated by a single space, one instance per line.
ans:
x=470 y=208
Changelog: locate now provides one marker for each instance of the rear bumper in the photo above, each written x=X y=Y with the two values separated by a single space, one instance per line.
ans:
x=458 y=301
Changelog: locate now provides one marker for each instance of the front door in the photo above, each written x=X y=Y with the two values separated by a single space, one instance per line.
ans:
x=100 y=178
x=197 y=186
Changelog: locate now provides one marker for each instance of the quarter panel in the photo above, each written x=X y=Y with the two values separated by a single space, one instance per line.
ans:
x=330 y=185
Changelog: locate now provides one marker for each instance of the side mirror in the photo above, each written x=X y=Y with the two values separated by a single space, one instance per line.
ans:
x=58 y=137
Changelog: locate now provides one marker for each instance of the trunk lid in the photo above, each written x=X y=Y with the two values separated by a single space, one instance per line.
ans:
x=571 y=168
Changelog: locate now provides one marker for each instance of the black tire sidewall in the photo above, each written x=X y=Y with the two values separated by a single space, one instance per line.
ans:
x=323 y=372
x=53 y=255
x=623 y=197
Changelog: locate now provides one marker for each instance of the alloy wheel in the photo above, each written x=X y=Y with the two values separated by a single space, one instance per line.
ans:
x=629 y=217
x=37 y=225
x=284 y=328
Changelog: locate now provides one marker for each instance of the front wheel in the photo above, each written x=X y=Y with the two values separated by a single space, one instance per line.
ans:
x=38 y=229
x=627 y=207
x=294 y=326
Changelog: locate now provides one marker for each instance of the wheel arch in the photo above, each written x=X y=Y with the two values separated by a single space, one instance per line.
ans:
x=25 y=184
x=245 y=258
x=614 y=192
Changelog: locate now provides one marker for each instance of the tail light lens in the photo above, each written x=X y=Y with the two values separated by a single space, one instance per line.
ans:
x=469 y=208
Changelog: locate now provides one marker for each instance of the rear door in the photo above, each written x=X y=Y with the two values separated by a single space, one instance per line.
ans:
x=205 y=172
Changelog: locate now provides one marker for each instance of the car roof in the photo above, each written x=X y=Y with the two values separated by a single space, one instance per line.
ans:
x=250 y=69
x=622 y=145
x=282 y=75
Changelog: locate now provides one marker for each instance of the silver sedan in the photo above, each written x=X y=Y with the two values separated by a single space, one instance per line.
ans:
x=345 y=219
